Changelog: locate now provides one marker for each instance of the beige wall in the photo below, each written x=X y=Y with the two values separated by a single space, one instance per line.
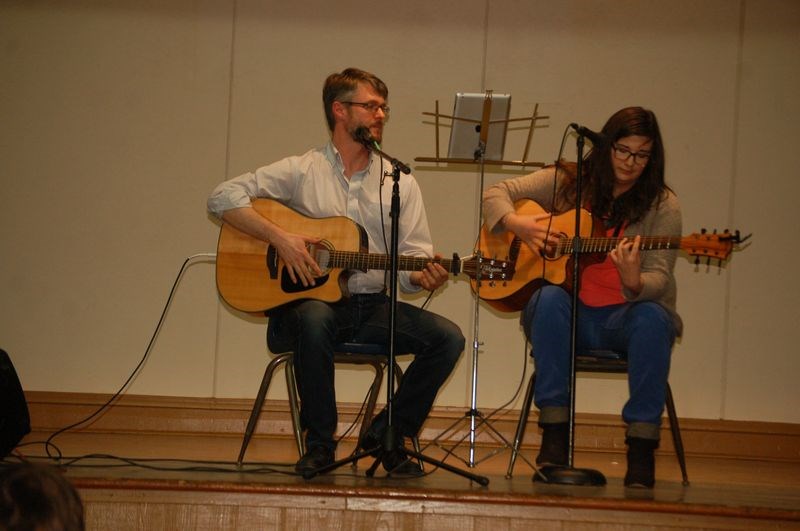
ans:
x=119 y=118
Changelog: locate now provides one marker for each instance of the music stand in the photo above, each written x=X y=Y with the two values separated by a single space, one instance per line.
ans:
x=478 y=128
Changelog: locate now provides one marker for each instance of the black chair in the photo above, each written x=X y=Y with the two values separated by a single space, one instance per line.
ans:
x=602 y=361
x=372 y=355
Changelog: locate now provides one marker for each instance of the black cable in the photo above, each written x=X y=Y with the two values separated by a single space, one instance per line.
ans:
x=149 y=464
x=361 y=411
x=48 y=443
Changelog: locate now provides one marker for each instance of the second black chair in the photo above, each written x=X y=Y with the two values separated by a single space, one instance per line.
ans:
x=599 y=361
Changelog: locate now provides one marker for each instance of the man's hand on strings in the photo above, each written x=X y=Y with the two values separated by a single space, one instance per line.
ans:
x=432 y=276
x=293 y=250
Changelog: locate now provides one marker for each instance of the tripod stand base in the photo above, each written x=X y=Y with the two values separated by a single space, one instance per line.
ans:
x=562 y=475
x=482 y=421
x=377 y=452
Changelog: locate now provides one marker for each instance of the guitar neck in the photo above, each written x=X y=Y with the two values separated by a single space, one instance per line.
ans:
x=366 y=261
x=606 y=244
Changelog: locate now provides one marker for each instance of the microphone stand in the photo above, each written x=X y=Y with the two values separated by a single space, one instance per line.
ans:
x=390 y=436
x=558 y=474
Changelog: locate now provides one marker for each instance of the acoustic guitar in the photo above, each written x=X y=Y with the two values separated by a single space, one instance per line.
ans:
x=529 y=270
x=252 y=278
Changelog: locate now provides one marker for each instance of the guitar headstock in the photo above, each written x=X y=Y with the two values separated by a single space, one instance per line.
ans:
x=712 y=245
x=489 y=268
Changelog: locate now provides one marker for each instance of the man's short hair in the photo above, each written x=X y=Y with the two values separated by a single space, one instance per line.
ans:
x=341 y=86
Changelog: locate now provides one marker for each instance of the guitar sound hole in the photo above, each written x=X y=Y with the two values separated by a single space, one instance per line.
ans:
x=562 y=247
x=322 y=253
x=295 y=287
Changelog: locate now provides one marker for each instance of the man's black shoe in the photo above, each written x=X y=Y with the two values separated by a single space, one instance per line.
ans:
x=394 y=461
x=315 y=458
x=398 y=464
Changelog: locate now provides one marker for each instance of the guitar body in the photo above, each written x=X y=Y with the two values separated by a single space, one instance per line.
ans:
x=528 y=270
x=532 y=269
x=251 y=278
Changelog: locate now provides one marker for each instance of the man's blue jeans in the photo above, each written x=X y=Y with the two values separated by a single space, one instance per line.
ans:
x=312 y=328
x=642 y=330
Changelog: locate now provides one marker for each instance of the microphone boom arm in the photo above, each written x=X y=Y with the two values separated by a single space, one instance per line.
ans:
x=362 y=135
x=403 y=167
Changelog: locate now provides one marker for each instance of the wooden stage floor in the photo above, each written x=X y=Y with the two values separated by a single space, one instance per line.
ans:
x=142 y=474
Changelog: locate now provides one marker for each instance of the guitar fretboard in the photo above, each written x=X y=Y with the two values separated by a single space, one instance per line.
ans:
x=355 y=260
x=604 y=244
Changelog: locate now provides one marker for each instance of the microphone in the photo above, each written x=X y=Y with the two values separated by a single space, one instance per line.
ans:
x=596 y=138
x=363 y=136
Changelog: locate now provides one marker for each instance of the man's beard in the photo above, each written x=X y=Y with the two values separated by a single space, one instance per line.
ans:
x=375 y=137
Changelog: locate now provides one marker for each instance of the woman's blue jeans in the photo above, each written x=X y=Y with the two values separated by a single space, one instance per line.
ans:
x=643 y=331
x=311 y=329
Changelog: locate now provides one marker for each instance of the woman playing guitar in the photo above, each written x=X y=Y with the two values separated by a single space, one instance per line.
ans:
x=626 y=300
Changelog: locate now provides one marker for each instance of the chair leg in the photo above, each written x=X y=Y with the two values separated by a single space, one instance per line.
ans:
x=259 y=402
x=677 y=441
x=521 y=425
x=372 y=398
x=294 y=406
x=398 y=375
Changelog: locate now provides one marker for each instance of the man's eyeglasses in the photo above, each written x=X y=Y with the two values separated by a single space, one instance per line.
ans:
x=622 y=153
x=370 y=106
